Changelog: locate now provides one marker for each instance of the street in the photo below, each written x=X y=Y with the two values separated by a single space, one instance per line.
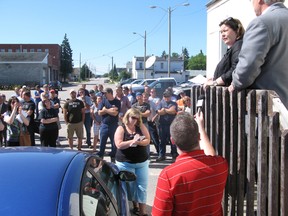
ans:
x=155 y=167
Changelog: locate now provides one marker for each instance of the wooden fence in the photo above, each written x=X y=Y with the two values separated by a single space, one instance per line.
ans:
x=245 y=128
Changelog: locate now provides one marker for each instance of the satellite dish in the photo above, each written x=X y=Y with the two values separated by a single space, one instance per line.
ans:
x=150 y=61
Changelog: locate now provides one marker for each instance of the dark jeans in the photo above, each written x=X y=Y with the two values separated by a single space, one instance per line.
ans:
x=105 y=132
x=154 y=135
x=164 y=130
x=31 y=132
x=87 y=125
x=48 y=137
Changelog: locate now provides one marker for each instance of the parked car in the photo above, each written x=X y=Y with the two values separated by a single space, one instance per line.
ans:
x=141 y=85
x=49 y=181
x=127 y=81
x=137 y=81
x=160 y=84
x=56 y=85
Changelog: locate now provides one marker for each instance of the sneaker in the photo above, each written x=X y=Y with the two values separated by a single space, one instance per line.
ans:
x=112 y=159
x=161 y=158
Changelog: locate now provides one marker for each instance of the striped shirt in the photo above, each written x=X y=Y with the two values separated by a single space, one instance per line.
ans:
x=193 y=185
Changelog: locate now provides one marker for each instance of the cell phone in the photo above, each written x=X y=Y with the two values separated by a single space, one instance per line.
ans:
x=141 y=138
x=133 y=145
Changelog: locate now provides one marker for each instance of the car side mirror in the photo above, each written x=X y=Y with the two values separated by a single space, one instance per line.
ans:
x=126 y=176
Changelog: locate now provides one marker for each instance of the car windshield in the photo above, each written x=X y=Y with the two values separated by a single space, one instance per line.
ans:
x=136 y=81
x=146 y=82
x=151 y=85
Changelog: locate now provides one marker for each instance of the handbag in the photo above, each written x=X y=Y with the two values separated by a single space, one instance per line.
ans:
x=24 y=139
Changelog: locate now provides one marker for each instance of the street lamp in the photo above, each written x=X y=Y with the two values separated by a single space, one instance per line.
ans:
x=111 y=66
x=169 y=11
x=144 y=51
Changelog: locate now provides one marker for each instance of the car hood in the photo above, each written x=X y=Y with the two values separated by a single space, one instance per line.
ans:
x=31 y=179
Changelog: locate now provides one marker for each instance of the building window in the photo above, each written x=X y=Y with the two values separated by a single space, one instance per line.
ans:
x=17 y=50
x=9 y=50
x=2 y=50
x=32 y=50
x=141 y=65
x=39 y=50
x=162 y=65
x=25 y=50
x=47 y=50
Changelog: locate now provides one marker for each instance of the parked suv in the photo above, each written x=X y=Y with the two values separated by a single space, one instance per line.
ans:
x=160 y=84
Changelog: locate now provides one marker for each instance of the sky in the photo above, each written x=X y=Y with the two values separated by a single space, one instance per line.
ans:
x=98 y=30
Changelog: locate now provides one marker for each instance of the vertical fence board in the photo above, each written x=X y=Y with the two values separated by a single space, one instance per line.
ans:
x=284 y=173
x=213 y=115
x=273 y=174
x=226 y=143
x=262 y=155
x=233 y=152
x=251 y=152
x=241 y=143
x=219 y=122
x=207 y=111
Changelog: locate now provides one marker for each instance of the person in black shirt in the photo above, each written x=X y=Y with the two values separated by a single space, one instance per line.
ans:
x=131 y=140
x=74 y=115
x=232 y=32
x=48 y=117
x=29 y=107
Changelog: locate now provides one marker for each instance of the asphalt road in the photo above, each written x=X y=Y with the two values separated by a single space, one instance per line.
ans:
x=155 y=167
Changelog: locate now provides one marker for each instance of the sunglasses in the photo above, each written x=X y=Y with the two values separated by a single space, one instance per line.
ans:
x=134 y=118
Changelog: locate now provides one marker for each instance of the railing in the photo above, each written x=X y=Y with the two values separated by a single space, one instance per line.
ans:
x=249 y=128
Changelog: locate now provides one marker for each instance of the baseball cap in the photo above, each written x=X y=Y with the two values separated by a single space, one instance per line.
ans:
x=138 y=94
x=52 y=91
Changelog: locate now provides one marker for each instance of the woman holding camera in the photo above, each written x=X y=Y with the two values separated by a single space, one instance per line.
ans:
x=131 y=140
x=16 y=121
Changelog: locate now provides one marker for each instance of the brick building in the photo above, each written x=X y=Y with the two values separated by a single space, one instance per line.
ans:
x=23 y=54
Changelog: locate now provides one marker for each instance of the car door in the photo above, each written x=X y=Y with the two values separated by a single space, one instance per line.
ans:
x=99 y=189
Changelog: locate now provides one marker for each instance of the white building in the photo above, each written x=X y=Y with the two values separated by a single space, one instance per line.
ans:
x=160 y=69
x=217 y=11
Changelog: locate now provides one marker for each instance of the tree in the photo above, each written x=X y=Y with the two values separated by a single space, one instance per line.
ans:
x=164 y=54
x=186 y=58
x=175 y=55
x=66 y=58
x=197 y=62
x=124 y=75
x=113 y=73
x=85 y=72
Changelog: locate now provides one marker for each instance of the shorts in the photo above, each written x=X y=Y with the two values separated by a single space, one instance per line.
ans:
x=96 y=129
x=75 y=127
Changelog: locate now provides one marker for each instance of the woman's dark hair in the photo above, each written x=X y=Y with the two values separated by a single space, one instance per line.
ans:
x=234 y=24
x=11 y=100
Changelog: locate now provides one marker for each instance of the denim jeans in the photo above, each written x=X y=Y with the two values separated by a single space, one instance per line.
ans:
x=87 y=125
x=164 y=130
x=105 y=132
x=136 y=190
x=154 y=135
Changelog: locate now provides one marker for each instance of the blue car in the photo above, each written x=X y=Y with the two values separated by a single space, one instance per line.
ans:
x=49 y=181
